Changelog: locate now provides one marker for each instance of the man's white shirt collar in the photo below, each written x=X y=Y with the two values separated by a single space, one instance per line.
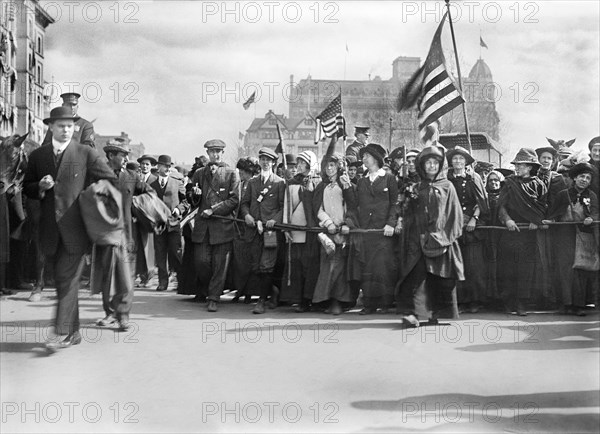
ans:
x=58 y=146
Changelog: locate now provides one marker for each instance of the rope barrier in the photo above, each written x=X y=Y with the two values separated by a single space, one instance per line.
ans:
x=288 y=227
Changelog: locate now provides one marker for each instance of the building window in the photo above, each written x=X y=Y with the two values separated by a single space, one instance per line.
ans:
x=40 y=45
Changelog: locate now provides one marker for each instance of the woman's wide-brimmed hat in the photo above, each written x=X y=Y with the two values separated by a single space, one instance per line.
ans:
x=459 y=150
x=526 y=156
x=549 y=149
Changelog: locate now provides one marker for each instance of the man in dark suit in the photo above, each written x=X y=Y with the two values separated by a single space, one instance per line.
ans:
x=216 y=187
x=262 y=207
x=172 y=192
x=361 y=134
x=120 y=259
x=84 y=130
x=56 y=175
x=141 y=237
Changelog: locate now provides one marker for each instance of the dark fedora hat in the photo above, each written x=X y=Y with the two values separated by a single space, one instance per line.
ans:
x=60 y=113
x=374 y=149
x=116 y=146
x=580 y=168
x=594 y=141
x=459 y=150
x=548 y=149
x=526 y=156
x=147 y=157
x=215 y=144
x=267 y=152
x=164 y=159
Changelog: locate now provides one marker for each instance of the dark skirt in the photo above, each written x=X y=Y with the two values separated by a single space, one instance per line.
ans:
x=332 y=282
x=304 y=271
x=472 y=289
x=378 y=270
x=518 y=256
x=241 y=268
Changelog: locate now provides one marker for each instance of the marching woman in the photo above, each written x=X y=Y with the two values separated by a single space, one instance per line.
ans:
x=577 y=257
x=473 y=201
x=522 y=200
x=377 y=195
x=332 y=200
x=432 y=225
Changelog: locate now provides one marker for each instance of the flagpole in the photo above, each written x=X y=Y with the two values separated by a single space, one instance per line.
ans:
x=345 y=60
x=289 y=203
x=464 y=104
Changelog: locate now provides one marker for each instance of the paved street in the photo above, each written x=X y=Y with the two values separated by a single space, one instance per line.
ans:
x=182 y=369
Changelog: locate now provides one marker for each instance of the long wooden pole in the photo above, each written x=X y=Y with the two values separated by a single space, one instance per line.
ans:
x=464 y=104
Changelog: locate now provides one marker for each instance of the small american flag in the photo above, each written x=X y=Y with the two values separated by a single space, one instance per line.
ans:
x=331 y=121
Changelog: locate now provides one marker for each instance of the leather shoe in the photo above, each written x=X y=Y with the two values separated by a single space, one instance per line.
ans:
x=161 y=288
x=35 y=296
x=367 y=311
x=410 y=321
x=72 y=339
x=106 y=321
x=335 y=307
x=212 y=306
x=259 y=308
x=123 y=324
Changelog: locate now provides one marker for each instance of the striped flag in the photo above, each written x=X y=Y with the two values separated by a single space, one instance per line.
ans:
x=252 y=98
x=331 y=121
x=431 y=88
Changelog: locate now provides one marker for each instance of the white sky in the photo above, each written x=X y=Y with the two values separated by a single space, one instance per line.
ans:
x=183 y=69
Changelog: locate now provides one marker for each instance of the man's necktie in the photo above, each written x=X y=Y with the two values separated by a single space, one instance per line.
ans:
x=162 y=183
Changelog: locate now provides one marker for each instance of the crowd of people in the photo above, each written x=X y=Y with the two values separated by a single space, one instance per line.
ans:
x=384 y=232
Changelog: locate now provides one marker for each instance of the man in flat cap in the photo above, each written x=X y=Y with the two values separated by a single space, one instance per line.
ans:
x=84 y=130
x=56 y=175
x=262 y=208
x=168 y=244
x=120 y=258
x=362 y=139
x=215 y=188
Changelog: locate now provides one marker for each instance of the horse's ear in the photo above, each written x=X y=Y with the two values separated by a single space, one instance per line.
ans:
x=570 y=142
x=19 y=141
x=553 y=143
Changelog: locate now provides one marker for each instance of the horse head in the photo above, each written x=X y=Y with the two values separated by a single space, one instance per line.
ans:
x=13 y=161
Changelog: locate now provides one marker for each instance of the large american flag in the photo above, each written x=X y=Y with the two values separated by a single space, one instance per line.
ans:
x=431 y=88
x=331 y=121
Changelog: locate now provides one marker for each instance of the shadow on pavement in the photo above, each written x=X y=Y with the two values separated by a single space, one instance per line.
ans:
x=575 y=411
